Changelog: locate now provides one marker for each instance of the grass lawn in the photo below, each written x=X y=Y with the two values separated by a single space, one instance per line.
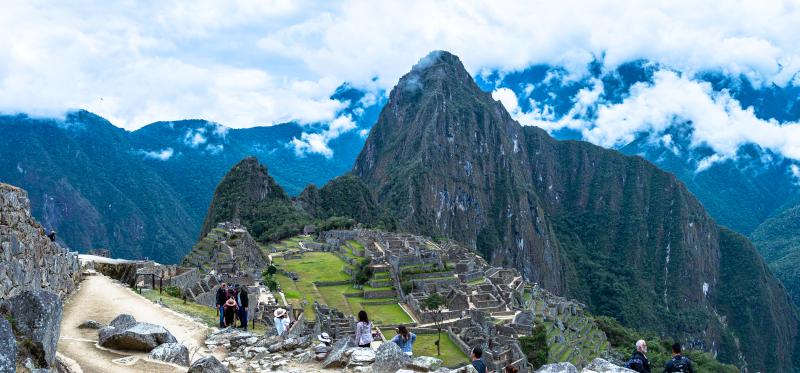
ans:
x=356 y=245
x=315 y=266
x=334 y=297
x=295 y=292
x=207 y=314
x=477 y=281
x=424 y=346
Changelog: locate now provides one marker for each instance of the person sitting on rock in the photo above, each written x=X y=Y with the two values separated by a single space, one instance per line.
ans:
x=405 y=340
x=230 y=311
x=363 y=330
x=282 y=322
x=322 y=350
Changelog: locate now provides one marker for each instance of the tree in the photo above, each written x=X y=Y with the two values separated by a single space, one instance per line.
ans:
x=268 y=278
x=535 y=346
x=435 y=304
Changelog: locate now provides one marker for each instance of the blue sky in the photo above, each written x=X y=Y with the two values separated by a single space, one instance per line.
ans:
x=245 y=63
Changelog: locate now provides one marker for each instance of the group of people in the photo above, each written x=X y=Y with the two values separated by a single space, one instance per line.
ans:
x=365 y=335
x=677 y=364
x=232 y=304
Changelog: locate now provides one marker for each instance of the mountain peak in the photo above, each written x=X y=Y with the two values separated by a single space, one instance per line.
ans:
x=433 y=71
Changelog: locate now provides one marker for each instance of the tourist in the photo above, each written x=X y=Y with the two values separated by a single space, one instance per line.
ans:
x=230 y=308
x=510 y=369
x=404 y=339
x=281 y=321
x=363 y=330
x=638 y=361
x=678 y=363
x=323 y=348
x=244 y=302
x=477 y=363
x=222 y=291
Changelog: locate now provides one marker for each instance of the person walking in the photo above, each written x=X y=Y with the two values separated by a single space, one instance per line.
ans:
x=638 y=361
x=363 y=330
x=281 y=321
x=477 y=362
x=244 y=302
x=405 y=340
x=230 y=308
x=222 y=292
x=678 y=363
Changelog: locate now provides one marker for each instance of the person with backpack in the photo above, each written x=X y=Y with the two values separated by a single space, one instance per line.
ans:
x=638 y=361
x=678 y=363
x=405 y=340
x=244 y=301
x=477 y=362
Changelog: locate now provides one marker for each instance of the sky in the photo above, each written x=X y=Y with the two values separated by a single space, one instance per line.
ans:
x=245 y=63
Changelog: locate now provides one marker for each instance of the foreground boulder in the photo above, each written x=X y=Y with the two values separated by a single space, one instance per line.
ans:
x=8 y=347
x=125 y=333
x=90 y=324
x=337 y=358
x=557 y=368
x=175 y=353
x=208 y=364
x=66 y=365
x=361 y=356
x=602 y=366
x=37 y=320
x=389 y=359
x=425 y=363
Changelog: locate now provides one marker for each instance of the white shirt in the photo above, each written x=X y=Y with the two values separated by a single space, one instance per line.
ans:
x=281 y=324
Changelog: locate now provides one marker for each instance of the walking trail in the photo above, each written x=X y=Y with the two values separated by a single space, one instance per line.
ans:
x=101 y=299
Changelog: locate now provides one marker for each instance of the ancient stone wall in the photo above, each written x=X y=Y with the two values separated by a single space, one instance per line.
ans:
x=29 y=260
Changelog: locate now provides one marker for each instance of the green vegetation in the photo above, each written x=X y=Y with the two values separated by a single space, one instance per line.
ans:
x=315 y=266
x=535 y=346
x=435 y=304
x=778 y=240
x=207 y=315
x=174 y=291
x=450 y=354
x=363 y=272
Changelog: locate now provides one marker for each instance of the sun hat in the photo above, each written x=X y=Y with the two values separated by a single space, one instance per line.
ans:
x=324 y=337
x=280 y=312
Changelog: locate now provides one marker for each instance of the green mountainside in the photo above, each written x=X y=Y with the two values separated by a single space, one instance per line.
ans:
x=611 y=230
x=778 y=241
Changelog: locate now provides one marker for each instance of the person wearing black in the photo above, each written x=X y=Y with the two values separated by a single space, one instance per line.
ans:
x=477 y=363
x=638 y=361
x=678 y=363
x=222 y=293
x=243 y=302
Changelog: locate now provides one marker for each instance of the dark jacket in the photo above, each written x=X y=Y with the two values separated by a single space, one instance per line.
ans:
x=679 y=364
x=221 y=296
x=645 y=364
x=243 y=300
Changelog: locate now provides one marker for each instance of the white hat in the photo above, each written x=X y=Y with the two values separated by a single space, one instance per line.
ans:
x=280 y=312
x=324 y=337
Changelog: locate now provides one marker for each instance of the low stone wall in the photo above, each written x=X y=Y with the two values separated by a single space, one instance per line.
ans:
x=379 y=294
x=184 y=280
x=28 y=259
x=331 y=283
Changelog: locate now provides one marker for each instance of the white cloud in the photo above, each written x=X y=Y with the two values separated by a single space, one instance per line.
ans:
x=161 y=155
x=309 y=143
x=195 y=138
x=795 y=170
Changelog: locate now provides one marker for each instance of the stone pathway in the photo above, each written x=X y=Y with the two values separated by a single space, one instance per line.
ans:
x=101 y=299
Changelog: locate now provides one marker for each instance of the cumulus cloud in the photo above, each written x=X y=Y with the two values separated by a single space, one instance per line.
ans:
x=795 y=170
x=161 y=155
x=195 y=138
x=310 y=143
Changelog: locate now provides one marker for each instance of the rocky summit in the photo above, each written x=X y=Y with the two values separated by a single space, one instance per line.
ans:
x=611 y=230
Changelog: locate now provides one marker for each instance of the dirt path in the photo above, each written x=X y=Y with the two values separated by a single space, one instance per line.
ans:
x=101 y=299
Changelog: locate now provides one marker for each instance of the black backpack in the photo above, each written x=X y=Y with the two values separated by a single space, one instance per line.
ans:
x=680 y=365
x=635 y=364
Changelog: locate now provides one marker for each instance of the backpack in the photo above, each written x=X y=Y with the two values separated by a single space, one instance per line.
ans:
x=635 y=364
x=680 y=365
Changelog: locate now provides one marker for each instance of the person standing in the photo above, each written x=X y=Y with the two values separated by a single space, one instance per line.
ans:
x=405 y=340
x=477 y=362
x=230 y=311
x=244 y=302
x=281 y=321
x=638 y=360
x=678 y=363
x=222 y=293
x=363 y=330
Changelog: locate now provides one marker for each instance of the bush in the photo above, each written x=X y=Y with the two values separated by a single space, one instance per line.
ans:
x=174 y=291
x=363 y=272
x=535 y=346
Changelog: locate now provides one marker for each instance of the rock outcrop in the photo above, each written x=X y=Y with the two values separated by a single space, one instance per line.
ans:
x=175 y=353
x=29 y=260
x=8 y=347
x=389 y=358
x=208 y=364
x=125 y=333
x=37 y=322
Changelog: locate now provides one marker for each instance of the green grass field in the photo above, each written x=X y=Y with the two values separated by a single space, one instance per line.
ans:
x=424 y=346
x=315 y=266
x=207 y=314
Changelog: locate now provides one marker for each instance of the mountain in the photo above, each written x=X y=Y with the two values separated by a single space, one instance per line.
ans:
x=778 y=240
x=145 y=193
x=614 y=231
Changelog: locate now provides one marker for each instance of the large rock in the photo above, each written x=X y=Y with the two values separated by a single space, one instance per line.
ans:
x=557 y=368
x=336 y=358
x=361 y=356
x=603 y=366
x=125 y=333
x=90 y=324
x=425 y=363
x=66 y=365
x=8 y=347
x=208 y=364
x=172 y=353
x=389 y=359
x=37 y=319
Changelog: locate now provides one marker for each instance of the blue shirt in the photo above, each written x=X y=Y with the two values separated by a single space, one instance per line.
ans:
x=403 y=344
x=479 y=366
